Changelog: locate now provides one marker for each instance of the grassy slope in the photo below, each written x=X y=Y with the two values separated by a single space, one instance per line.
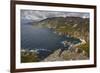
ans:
x=30 y=57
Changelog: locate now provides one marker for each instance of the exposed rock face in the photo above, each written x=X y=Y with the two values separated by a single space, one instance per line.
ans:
x=54 y=57
x=67 y=55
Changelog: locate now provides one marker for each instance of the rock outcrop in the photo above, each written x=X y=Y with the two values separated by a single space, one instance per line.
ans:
x=73 y=54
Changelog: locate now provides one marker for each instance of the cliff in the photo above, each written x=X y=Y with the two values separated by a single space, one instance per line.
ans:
x=73 y=26
x=74 y=54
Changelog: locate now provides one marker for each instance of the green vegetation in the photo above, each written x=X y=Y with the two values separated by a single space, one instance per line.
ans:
x=65 y=29
x=85 y=47
x=30 y=57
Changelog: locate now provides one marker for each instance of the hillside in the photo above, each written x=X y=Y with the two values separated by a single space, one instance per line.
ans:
x=72 y=26
x=66 y=55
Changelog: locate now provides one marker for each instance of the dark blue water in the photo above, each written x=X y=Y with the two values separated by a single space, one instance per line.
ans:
x=32 y=37
x=42 y=38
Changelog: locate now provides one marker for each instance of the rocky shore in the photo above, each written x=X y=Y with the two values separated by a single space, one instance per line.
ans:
x=70 y=54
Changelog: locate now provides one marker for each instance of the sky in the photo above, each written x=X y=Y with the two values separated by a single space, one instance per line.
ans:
x=37 y=15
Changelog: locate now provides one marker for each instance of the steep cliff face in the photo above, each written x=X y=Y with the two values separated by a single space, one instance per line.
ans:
x=66 y=55
x=72 y=26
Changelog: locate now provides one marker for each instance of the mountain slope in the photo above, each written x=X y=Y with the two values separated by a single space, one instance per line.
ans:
x=72 y=26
